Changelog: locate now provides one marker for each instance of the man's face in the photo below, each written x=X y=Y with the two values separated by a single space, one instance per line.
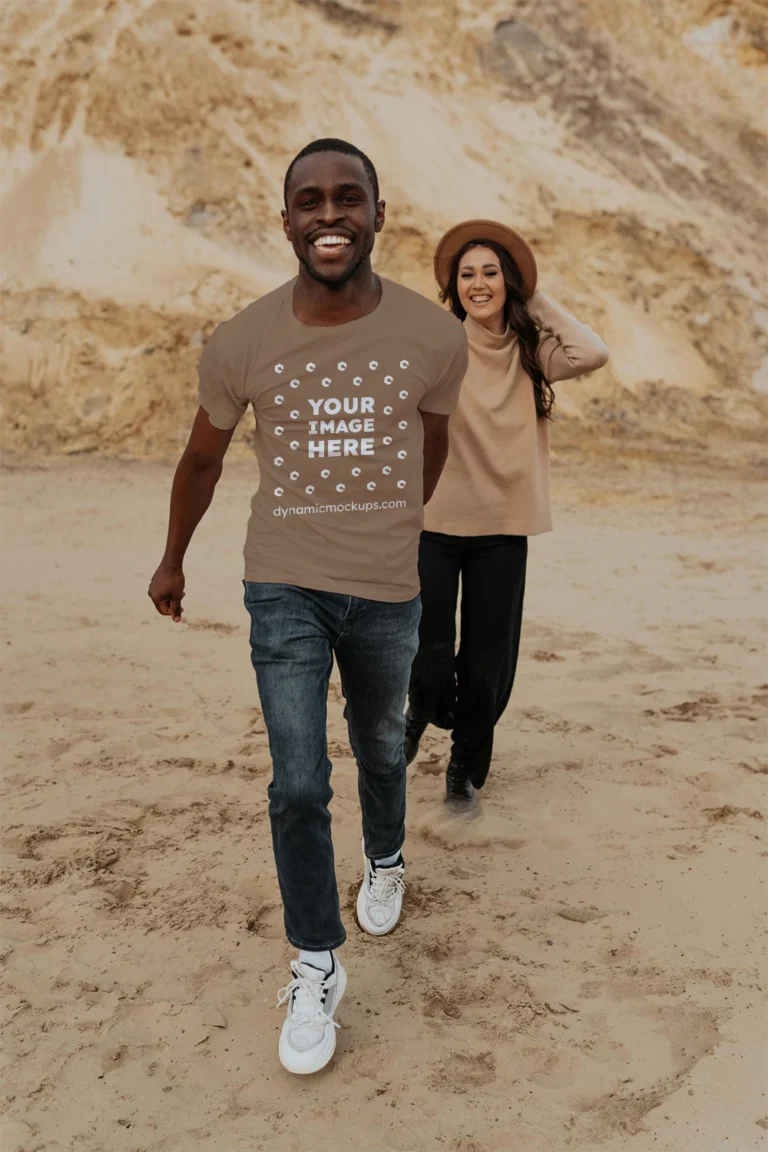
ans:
x=331 y=218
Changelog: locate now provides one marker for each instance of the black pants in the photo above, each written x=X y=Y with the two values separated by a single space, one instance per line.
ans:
x=469 y=690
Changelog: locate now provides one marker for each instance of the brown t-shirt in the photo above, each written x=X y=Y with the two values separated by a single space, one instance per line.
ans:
x=339 y=437
x=496 y=479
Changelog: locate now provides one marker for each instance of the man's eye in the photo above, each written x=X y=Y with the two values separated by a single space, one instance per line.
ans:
x=351 y=199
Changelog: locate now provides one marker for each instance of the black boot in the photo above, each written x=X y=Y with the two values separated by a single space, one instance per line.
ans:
x=414 y=730
x=459 y=793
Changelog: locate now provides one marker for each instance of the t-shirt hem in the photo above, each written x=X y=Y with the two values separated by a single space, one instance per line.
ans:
x=492 y=528
x=438 y=409
x=258 y=574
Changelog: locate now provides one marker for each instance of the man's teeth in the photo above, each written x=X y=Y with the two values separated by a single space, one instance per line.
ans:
x=330 y=241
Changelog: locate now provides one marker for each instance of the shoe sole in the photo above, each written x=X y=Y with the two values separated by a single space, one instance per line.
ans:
x=323 y=1054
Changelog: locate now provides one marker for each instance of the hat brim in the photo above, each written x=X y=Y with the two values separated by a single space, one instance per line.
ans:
x=455 y=239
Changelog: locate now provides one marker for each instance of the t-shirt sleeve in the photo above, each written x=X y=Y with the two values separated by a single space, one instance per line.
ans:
x=219 y=392
x=450 y=369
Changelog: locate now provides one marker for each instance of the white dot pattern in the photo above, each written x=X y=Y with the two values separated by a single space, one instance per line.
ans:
x=348 y=420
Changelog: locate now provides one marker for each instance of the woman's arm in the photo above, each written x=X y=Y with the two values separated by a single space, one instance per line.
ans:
x=567 y=348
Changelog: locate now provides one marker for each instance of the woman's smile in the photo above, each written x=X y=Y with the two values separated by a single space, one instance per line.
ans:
x=481 y=287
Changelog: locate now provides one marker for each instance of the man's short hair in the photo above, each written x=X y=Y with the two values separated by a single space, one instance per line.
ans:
x=330 y=144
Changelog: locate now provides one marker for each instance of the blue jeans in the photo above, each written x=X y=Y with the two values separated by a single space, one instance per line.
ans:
x=295 y=633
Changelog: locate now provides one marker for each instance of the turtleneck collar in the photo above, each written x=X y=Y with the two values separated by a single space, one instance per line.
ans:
x=480 y=337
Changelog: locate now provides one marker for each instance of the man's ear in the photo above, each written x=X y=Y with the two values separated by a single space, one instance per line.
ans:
x=286 y=224
x=381 y=211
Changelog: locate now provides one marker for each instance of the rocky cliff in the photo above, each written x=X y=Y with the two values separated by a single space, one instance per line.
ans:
x=145 y=146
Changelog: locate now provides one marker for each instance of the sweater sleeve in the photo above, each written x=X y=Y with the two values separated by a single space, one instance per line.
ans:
x=567 y=348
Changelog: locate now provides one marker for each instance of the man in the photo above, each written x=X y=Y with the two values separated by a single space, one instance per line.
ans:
x=352 y=380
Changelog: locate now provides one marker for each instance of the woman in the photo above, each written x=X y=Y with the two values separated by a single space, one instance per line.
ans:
x=493 y=494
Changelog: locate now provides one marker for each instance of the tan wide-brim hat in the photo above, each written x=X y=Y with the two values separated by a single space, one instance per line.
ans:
x=456 y=237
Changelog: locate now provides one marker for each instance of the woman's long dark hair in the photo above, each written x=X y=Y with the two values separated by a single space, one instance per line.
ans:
x=517 y=316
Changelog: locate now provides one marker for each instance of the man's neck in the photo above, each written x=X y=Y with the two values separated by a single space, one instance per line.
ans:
x=317 y=304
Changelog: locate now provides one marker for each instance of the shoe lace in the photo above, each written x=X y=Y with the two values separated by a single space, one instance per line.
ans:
x=306 y=997
x=387 y=884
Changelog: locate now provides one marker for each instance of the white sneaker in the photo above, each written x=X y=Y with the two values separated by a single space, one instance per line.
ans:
x=308 y=1038
x=380 y=899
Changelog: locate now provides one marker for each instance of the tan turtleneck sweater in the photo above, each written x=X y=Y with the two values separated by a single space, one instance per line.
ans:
x=496 y=479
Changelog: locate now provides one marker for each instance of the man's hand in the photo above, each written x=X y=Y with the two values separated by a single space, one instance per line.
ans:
x=166 y=590
x=193 y=485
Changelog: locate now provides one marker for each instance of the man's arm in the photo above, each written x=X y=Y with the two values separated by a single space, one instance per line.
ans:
x=196 y=478
x=435 y=450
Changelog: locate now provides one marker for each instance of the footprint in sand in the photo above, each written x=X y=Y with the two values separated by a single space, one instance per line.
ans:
x=465 y=1071
x=554 y=1067
x=20 y=709
x=755 y=765
x=581 y=915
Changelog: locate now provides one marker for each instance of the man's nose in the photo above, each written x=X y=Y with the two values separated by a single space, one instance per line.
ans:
x=330 y=211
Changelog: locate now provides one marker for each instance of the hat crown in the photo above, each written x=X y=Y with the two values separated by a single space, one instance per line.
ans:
x=460 y=235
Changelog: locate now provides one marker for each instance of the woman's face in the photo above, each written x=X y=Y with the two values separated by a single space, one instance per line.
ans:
x=481 y=287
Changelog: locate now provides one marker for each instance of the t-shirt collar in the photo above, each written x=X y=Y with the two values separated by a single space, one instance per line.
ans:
x=349 y=325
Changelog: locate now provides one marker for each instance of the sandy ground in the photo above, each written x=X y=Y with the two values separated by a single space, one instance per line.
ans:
x=582 y=966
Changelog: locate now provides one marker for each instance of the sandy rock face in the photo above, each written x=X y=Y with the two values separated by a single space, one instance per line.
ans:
x=146 y=143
